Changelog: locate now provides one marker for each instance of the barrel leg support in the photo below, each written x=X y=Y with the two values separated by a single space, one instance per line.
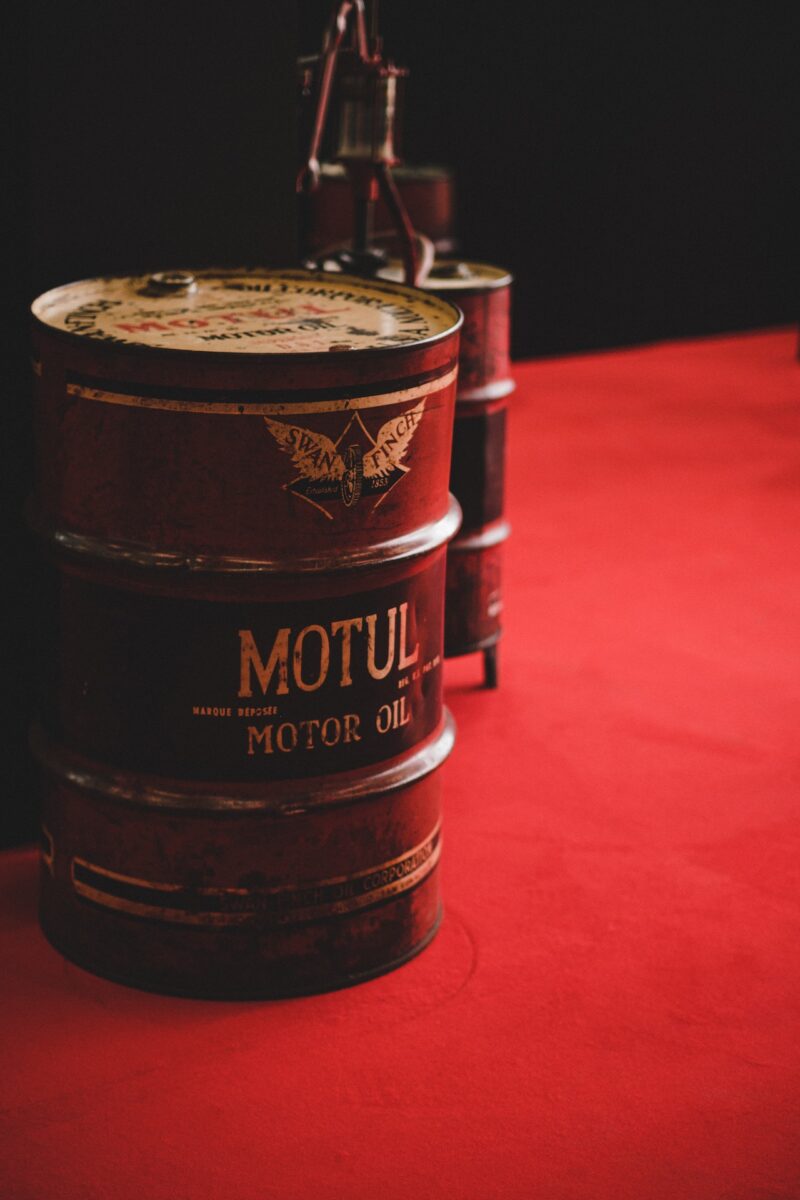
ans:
x=490 y=657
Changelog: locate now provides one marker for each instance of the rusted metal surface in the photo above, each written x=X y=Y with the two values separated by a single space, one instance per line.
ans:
x=474 y=596
x=427 y=192
x=474 y=606
x=243 y=489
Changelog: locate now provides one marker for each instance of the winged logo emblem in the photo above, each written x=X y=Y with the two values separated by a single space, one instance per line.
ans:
x=355 y=465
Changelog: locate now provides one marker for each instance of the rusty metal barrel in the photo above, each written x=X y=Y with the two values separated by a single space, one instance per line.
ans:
x=474 y=604
x=242 y=491
x=428 y=193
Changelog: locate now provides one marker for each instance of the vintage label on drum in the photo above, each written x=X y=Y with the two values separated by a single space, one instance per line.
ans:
x=355 y=464
x=251 y=312
x=247 y=690
x=270 y=467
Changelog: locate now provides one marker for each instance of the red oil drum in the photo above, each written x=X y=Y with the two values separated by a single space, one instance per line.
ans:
x=474 y=604
x=243 y=488
x=428 y=193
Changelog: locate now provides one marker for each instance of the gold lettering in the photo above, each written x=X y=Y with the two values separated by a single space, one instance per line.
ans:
x=264 y=738
x=292 y=731
x=375 y=671
x=324 y=658
x=336 y=733
x=310 y=726
x=273 y=673
x=346 y=628
x=406 y=659
x=393 y=716
x=351 y=724
x=249 y=657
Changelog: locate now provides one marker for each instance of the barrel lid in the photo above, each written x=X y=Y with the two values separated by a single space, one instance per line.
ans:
x=248 y=311
x=453 y=274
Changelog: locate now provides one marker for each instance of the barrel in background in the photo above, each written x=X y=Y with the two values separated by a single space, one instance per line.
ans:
x=474 y=603
x=428 y=193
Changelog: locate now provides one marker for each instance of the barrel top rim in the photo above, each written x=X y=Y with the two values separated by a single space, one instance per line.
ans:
x=445 y=317
x=484 y=277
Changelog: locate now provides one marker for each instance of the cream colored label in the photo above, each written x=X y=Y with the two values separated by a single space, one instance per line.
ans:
x=268 y=312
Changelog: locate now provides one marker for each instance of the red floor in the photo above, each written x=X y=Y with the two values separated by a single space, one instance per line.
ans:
x=611 y=1009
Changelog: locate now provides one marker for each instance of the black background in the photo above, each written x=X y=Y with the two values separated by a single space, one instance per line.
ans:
x=633 y=165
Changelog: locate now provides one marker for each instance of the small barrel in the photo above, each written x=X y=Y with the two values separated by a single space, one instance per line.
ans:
x=428 y=193
x=242 y=489
x=474 y=604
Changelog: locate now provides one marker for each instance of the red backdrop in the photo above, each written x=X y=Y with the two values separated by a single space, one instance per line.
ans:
x=611 y=1007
